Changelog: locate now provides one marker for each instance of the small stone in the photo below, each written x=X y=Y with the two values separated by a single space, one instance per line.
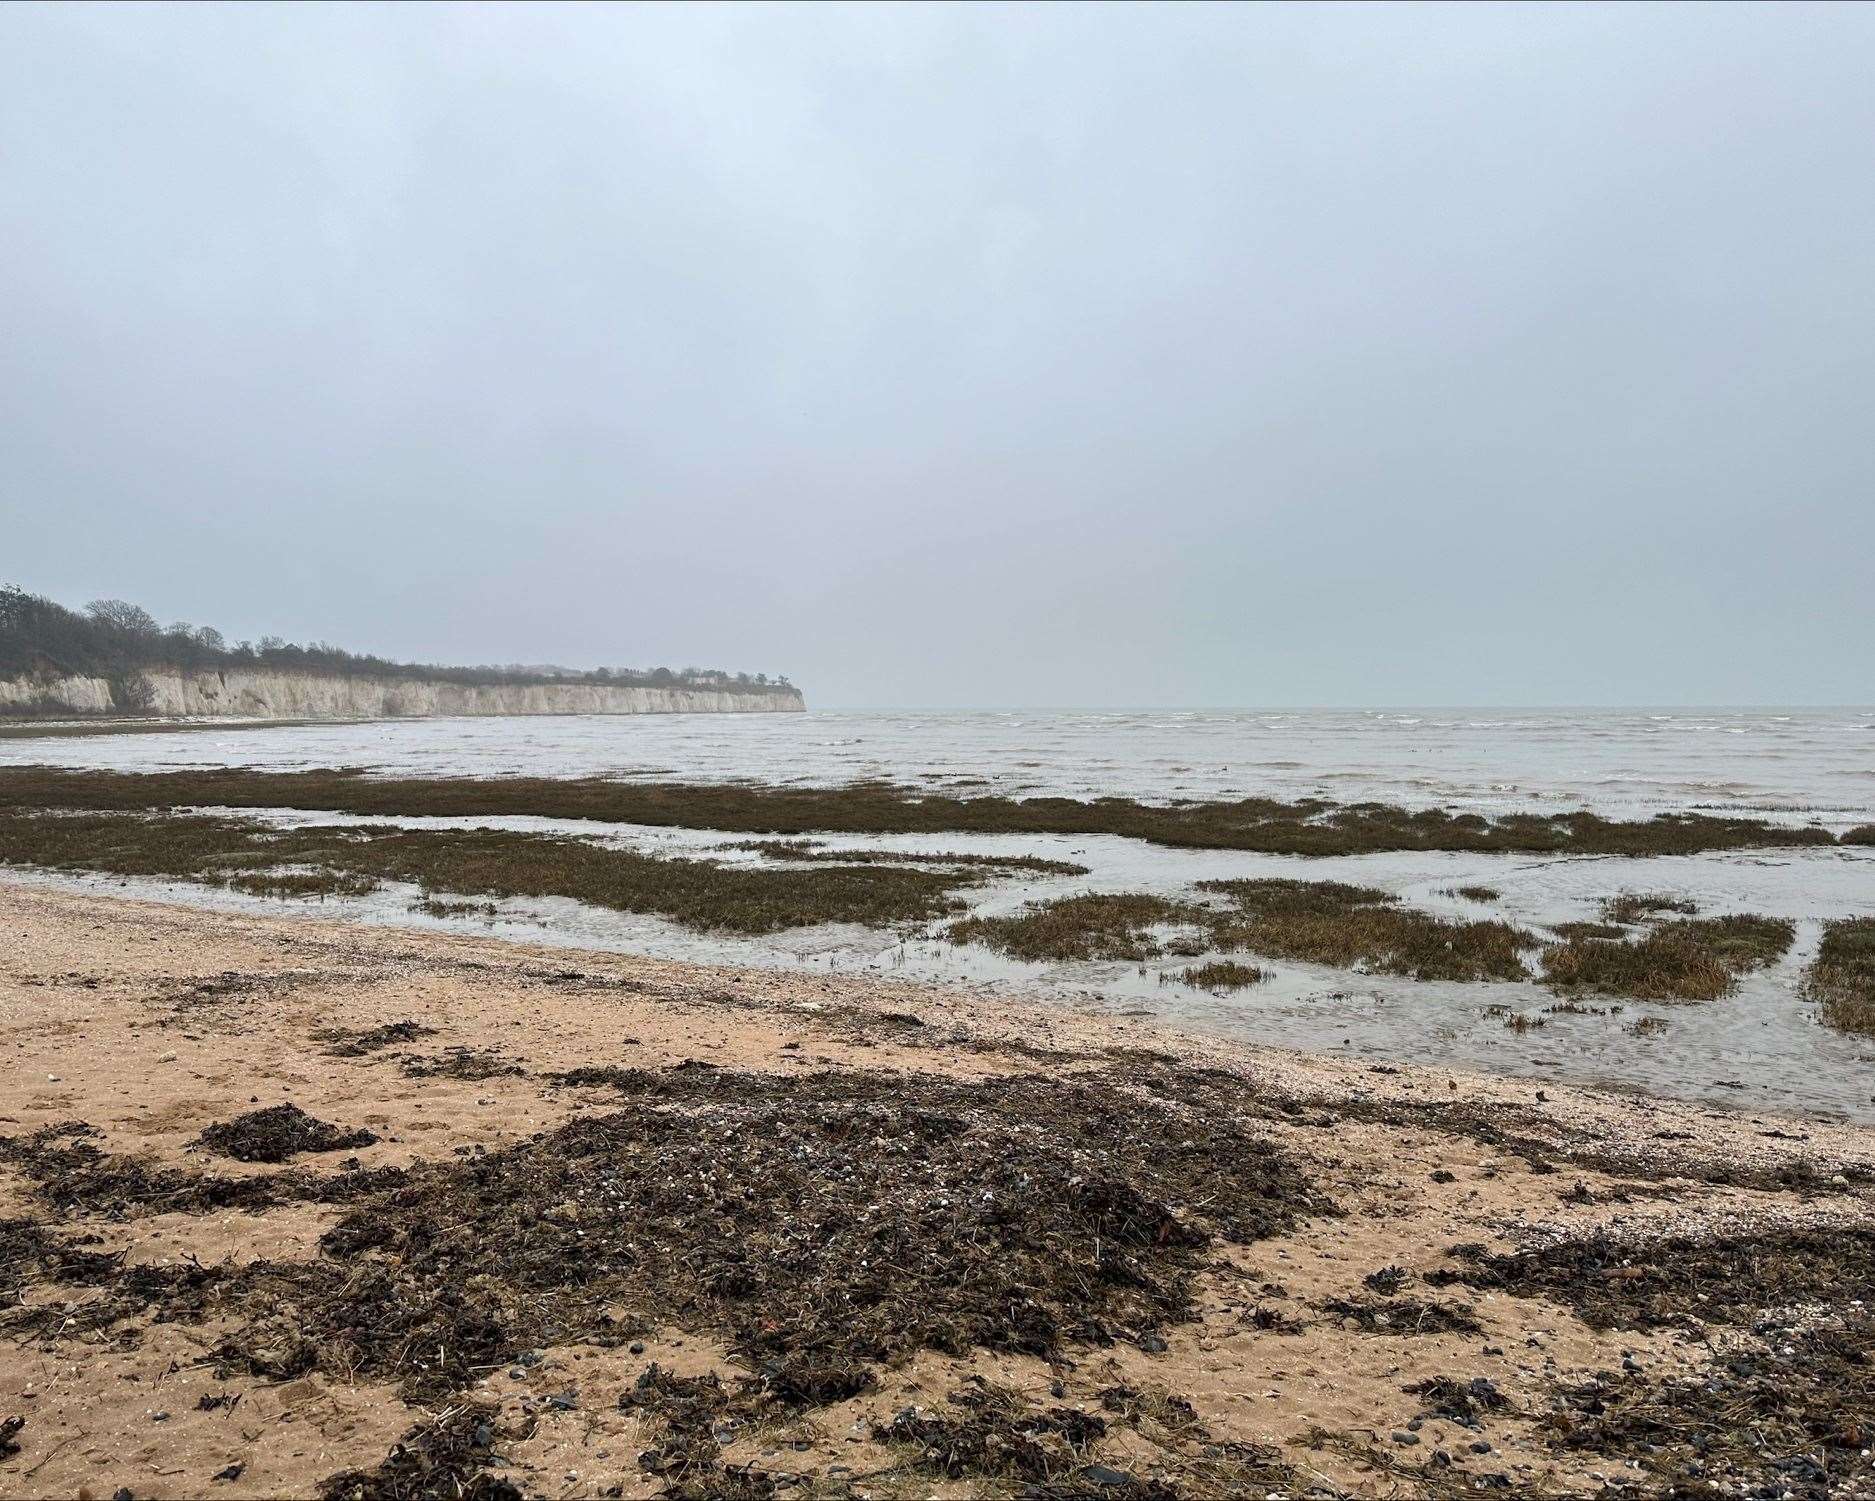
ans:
x=166 y=1057
x=1152 y=1344
x=159 y=1417
x=638 y=1347
x=1480 y=1446
x=1105 y=1475
x=1402 y=1436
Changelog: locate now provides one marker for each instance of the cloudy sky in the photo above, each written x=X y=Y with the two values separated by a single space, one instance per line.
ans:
x=962 y=356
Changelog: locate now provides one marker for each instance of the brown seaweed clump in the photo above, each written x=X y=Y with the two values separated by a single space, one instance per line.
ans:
x=1842 y=976
x=820 y=1225
x=451 y=1455
x=1783 y=1409
x=278 y=1133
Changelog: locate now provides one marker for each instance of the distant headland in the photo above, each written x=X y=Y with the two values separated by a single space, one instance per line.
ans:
x=113 y=658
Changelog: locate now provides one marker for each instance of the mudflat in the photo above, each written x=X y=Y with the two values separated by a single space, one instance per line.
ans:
x=291 y=1207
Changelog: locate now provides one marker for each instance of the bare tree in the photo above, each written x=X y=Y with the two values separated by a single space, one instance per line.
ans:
x=123 y=615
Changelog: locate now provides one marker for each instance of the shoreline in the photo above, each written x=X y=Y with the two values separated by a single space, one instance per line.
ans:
x=151 y=1022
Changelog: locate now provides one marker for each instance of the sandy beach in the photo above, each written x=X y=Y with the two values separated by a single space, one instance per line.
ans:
x=1404 y=1227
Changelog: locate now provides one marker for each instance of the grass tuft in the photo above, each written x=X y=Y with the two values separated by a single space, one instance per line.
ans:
x=1693 y=959
x=1093 y=926
x=1842 y=976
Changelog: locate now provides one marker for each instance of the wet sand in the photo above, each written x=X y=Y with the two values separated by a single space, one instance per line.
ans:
x=151 y=1022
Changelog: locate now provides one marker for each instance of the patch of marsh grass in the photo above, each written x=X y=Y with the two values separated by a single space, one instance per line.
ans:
x=1090 y=926
x=1692 y=959
x=478 y=863
x=1329 y=922
x=1632 y=907
x=1842 y=976
x=1309 y=826
x=1222 y=974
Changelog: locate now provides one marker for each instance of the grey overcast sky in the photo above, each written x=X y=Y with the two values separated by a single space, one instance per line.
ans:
x=962 y=356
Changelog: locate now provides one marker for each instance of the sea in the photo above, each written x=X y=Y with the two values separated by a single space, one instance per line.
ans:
x=1761 y=1049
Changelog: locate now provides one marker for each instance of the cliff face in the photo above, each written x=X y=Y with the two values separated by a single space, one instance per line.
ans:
x=284 y=695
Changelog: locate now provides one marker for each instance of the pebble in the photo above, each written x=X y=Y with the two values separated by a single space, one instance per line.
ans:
x=1403 y=1436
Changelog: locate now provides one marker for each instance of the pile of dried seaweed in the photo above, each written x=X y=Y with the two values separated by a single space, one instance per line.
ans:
x=452 y=1455
x=820 y=1225
x=358 y=1043
x=278 y=1133
x=1784 y=1407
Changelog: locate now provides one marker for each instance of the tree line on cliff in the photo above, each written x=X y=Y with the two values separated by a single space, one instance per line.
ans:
x=117 y=641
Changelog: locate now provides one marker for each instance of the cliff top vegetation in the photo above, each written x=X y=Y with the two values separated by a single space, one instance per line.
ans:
x=118 y=641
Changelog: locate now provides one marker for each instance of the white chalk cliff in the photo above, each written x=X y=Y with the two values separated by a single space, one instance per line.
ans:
x=245 y=694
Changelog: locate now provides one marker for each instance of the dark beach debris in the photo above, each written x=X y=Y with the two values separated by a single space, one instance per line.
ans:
x=454 y=1456
x=1386 y=1281
x=993 y=1430
x=459 y=1063
x=73 y=1175
x=688 y=1419
x=9 y=1435
x=1842 y=976
x=1054 y=1452
x=1790 y=1414
x=111 y=1291
x=278 y=1133
x=1677 y=1281
x=1403 y=1316
x=1690 y=959
x=1462 y=1402
x=1542 y=1142
x=345 y=1043
x=818 y=1225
